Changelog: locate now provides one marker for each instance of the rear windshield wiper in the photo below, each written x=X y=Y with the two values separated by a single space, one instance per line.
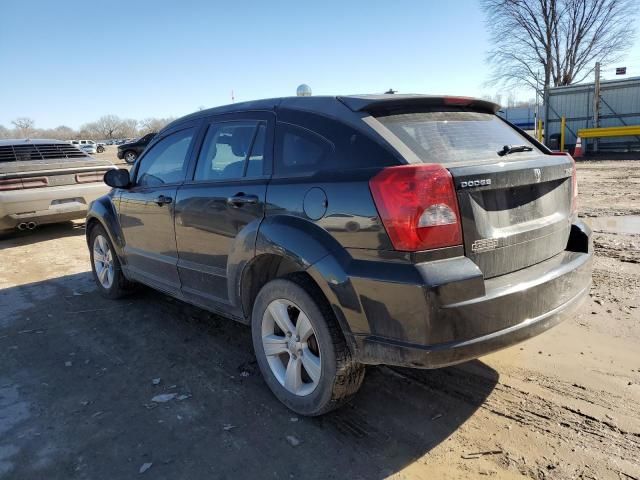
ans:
x=507 y=149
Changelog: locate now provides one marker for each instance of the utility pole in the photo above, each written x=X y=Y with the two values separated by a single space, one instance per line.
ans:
x=545 y=127
x=596 y=104
x=536 y=114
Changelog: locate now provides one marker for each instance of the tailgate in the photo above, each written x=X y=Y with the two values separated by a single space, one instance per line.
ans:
x=516 y=213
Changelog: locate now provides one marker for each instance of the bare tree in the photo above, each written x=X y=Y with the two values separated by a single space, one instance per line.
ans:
x=562 y=39
x=63 y=132
x=24 y=126
x=129 y=128
x=149 y=125
x=107 y=126
x=90 y=130
x=4 y=132
x=497 y=98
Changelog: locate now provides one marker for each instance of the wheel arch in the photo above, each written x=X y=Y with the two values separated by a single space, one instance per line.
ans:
x=102 y=212
x=287 y=245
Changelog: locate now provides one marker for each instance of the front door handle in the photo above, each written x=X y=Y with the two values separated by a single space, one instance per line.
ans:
x=240 y=199
x=163 y=200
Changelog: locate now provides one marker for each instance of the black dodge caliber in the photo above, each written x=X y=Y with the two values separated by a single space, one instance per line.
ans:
x=387 y=229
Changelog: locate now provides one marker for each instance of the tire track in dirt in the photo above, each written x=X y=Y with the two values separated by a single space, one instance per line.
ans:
x=556 y=421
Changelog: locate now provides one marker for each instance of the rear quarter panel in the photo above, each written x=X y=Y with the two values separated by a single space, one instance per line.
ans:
x=350 y=215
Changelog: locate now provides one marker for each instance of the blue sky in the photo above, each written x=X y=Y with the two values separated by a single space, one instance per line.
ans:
x=69 y=62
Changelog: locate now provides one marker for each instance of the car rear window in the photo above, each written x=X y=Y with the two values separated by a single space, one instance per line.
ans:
x=299 y=150
x=40 y=151
x=455 y=136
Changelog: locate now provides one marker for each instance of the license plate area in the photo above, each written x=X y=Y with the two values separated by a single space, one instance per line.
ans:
x=62 y=201
x=58 y=180
x=519 y=217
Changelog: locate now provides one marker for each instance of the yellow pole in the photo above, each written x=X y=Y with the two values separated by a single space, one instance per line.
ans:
x=540 y=130
x=563 y=124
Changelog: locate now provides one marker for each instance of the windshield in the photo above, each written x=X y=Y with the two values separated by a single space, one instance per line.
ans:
x=456 y=136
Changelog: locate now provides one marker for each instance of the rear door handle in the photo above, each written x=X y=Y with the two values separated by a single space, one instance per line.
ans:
x=163 y=200
x=240 y=199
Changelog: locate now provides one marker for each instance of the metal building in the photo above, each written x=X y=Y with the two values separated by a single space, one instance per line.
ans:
x=619 y=106
x=523 y=117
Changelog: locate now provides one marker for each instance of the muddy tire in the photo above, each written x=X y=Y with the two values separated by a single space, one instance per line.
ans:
x=105 y=265
x=300 y=348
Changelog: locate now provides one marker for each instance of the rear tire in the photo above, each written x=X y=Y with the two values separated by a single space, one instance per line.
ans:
x=105 y=265
x=325 y=374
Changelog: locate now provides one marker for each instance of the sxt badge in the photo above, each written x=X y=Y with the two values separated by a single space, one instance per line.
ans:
x=484 y=245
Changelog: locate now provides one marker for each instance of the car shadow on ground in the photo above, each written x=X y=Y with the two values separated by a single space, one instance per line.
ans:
x=41 y=234
x=79 y=374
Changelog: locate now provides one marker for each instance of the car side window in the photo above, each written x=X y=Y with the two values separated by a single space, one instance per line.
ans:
x=230 y=150
x=166 y=161
x=255 y=163
x=299 y=150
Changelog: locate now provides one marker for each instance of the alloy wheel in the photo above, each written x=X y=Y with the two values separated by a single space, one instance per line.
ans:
x=291 y=347
x=103 y=261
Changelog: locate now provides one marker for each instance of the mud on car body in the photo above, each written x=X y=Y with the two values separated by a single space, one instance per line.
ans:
x=406 y=230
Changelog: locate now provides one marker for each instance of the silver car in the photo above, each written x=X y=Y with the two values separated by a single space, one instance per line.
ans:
x=46 y=181
x=89 y=148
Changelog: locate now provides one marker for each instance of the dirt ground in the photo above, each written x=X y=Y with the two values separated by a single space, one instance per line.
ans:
x=111 y=153
x=78 y=374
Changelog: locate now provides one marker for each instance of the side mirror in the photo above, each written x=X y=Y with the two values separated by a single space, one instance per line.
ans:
x=117 y=178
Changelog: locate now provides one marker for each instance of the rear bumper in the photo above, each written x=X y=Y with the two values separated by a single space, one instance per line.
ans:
x=380 y=350
x=453 y=315
x=47 y=205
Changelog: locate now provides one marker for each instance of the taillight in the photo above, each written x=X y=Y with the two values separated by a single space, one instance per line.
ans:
x=458 y=101
x=418 y=206
x=13 y=184
x=89 y=177
x=21 y=183
x=35 y=182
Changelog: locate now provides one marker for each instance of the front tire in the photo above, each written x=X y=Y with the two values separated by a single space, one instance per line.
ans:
x=300 y=348
x=105 y=265
x=130 y=156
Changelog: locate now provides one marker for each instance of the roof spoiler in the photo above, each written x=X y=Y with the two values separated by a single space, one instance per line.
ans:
x=389 y=103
